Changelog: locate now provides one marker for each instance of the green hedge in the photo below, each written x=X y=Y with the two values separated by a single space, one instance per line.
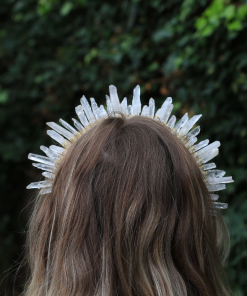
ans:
x=53 y=51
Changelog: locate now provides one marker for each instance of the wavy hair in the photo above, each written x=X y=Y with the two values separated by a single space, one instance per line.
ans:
x=129 y=215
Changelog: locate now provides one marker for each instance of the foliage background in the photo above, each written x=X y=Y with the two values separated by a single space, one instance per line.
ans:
x=53 y=51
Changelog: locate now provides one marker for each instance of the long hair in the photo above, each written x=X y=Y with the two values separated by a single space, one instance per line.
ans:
x=129 y=215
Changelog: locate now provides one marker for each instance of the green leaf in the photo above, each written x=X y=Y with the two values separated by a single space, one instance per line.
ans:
x=234 y=26
x=66 y=8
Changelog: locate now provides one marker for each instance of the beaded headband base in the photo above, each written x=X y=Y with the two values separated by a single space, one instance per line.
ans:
x=65 y=135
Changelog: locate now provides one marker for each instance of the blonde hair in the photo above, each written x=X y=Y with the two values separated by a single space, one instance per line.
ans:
x=129 y=214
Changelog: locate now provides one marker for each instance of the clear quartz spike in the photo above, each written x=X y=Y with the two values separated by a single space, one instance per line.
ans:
x=40 y=184
x=68 y=126
x=208 y=148
x=151 y=107
x=145 y=111
x=48 y=175
x=102 y=112
x=114 y=99
x=54 y=135
x=46 y=190
x=220 y=205
x=181 y=122
x=193 y=133
x=219 y=180
x=130 y=110
x=167 y=113
x=201 y=145
x=185 y=129
x=215 y=174
x=124 y=106
x=209 y=166
x=77 y=125
x=136 y=102
x=208 y=156
x=192 y=141
x=81 y=115
x=95 y=108
x=87 y=109
x=214 y=196
x=109 y=105
x=42 y=159
x=216 y=187
x=49 y=152
x=43 y=167
x=172 y=121
x=164 y=112
x=62 y=131
x=56 y=149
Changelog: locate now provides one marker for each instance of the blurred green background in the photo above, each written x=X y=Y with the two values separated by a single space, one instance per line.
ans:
x=53 y=51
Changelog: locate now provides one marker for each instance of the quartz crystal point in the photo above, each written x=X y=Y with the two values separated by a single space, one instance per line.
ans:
x=48 y=175
x=130 y=110
x=151 y=107
x=109 y=105
x=209 y=166
x=62 y=131
x=49 y=152
x=81 y=115
x=145 y=111
x=68 y=126
x=220 y=205
x=77 y=125
x=172 y=121
x=193 y=133
x=216 y=187
x=124 y=106
x=189 y=124
x=56 y=149
x=42 y=159
x=114 y=99
x=165 y=111
x=181 y=122
x=215 y=173
x=43 y=167
x=88 y=111
x=39 y=185
x=46 y=190
x=136 y=102
x=54 y=135
x=214 y=196
x=201 y=145
x=219 y=180
x=102 y=112
x=192 y=141
x=208 y=148
x=95 y=108
x=209 y=155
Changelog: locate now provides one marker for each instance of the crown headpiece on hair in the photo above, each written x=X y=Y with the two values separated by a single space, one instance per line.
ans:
x=203 y=152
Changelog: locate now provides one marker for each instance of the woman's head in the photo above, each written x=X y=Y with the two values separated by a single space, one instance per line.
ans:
x=129 y=214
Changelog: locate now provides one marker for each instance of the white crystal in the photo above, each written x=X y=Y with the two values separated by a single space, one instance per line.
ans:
x=215 y=173
x=209 y=155
x=165 y=111
x=209 y=166
x=49 y=152
x=193 y=133
x=102 y=112
x=130 y=110
x=114 y=99
x=81 y=115
x=201 y=145
x=77 y=125
x=181 y=122
x=151 y=107
x=192 y=141
x=42 y=159
x=136 y=102
x=88 y=111
x=145 y=111
x=124 y=106
x=43 y=167
x=39 y=185
x=60 y=130
x=54 y=135
x=56 y=149
x=208 y=148
x=220 y=205
x=216 y=187
x=95 y=108
x=48 y=175
x=172 y=122
x=68 y=126
x=184 y=130
x=214 y=196
x=219 y=180
x=109 y=104
x=46 y=190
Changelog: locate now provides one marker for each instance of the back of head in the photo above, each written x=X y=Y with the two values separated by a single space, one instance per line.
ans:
x=129 y=214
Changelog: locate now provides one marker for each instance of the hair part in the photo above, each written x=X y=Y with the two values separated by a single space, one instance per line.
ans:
x=129 y=214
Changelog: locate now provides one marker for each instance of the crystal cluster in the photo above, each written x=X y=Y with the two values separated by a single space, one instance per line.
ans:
x=67 y=134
